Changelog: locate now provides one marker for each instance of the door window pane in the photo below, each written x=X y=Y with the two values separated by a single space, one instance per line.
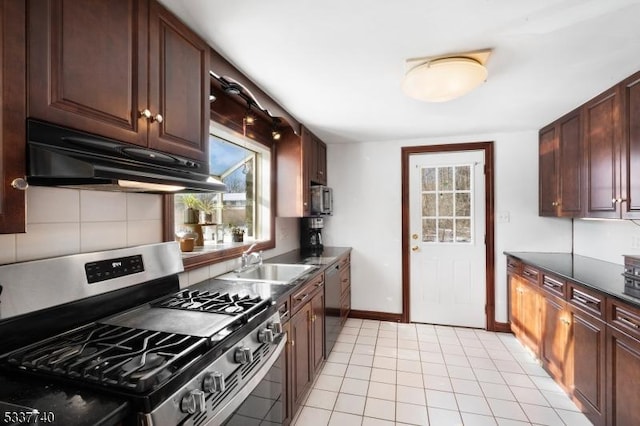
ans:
x=463 y=204
x=445 y=230
x=463 y=178
x=429 y=179
x=428 y=230
x=445 y=178
x=445 y=205
x=429 y=204
x=463 y=230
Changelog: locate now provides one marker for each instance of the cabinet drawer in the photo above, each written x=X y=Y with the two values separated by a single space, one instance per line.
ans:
x=514 y=266
x=307 y=291
x=531 y=274
x=345 y=279
x=554 y=285
x=624 y=317
x=587 y=300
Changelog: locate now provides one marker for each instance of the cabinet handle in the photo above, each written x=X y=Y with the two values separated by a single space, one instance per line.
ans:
x=293 y=343
x=519 y=290
x=145 y=113
x=313 y=318
x=157 y=118
x=583 y=300
x=319 y=284
x=565 y=321
x=553 y=284
x=554 y=204
x=20 y=183
x=301 y=298
x=320 y=172
x=628 y=322
x=527 y=274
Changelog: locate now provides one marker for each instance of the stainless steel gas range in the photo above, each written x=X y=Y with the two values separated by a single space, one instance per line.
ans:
x=117 y=324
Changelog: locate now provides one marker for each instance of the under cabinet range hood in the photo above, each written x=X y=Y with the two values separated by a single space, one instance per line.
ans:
x=59 y=156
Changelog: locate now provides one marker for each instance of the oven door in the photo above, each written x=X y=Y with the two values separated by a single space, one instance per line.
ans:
x=263 y=399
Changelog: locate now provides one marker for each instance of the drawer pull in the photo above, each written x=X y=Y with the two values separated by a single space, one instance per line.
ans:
x=527 y=274
x=554 y=284
x=628 y=322
x=301 y=298
x=319 y=284
x=584 y=298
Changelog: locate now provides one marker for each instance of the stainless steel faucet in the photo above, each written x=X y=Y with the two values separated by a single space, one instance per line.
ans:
x=247 y=257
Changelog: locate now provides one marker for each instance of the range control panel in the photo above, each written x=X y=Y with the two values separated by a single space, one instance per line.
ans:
x=113 y=268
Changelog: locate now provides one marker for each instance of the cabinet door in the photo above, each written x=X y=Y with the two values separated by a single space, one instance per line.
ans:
x=631 y=147
x=588 y=365
x=12 y=114
x=317 y=325
x=623 y=379
x=87 y=63
x=570 y=166
x=530 y=316
x=514 y=303
x=548 y=172
x=300 y=360
x=602 y=155
x=321 y=162
x=556 y=345
x=178 y=87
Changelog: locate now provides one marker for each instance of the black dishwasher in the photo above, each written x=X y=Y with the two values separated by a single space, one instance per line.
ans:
x=331 y=307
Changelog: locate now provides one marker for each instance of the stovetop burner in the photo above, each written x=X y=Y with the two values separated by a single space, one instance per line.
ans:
x=212 y=302
x=110 y=355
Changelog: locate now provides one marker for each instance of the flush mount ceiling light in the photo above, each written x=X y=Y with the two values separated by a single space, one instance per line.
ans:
x=443 y=78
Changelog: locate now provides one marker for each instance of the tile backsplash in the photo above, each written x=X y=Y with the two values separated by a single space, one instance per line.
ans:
x=64 y=221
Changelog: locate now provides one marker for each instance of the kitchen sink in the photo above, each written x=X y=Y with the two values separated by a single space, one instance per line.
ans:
x=274 y=273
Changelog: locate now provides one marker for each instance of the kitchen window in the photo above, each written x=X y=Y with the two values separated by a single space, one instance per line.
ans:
x=225 y=223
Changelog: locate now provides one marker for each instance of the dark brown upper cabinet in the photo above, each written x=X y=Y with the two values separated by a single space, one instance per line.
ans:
x=630 y=152
x=128 y=70
x=589 y=160
x=12 y=114
x=602 y=140
x=560 y=168
x=302 y=162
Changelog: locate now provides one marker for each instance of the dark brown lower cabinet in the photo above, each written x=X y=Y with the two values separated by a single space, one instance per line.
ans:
x=524 y=315
x=300 y=344
x=623 y=373
x=317 y=330
x=557 y=342
x=588 y=372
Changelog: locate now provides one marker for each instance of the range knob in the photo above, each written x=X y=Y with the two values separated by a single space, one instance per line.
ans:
x=193 y=402
x=265 y=336
x=213 y=382
x=276 y=327
x=243 y=355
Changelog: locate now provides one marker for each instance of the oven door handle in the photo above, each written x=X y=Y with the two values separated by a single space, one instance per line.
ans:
x=244 y=392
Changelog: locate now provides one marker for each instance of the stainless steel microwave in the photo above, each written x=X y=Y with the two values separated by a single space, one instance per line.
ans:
x=321 y=200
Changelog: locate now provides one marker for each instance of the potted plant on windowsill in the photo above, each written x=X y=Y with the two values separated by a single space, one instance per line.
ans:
x=191 y=212
x=237 y=234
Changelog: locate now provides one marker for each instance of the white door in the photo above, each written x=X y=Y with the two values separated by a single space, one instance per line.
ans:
x=447 y=240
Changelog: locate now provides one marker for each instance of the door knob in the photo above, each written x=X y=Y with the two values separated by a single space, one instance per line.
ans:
x=415 y=248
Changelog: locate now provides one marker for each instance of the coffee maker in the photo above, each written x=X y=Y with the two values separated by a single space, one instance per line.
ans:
x=311 y=234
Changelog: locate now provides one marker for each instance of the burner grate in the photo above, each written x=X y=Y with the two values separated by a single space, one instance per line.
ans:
x=212 y=302
x=123 y=357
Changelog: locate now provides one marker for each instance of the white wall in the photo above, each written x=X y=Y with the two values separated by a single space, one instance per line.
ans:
x=67 y=221
x=606 y=239
x=367 y=195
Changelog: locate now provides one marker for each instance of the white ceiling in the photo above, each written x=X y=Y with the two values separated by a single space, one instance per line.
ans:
x=337 y=65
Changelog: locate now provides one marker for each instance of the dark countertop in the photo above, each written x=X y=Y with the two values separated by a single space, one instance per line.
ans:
x=64 y=404
x=605 y=277
x=279 y=292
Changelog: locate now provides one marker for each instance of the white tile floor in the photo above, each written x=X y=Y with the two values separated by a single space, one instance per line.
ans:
x=383 y=373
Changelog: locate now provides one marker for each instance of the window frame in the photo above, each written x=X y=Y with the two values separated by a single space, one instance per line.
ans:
x=194 y=261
